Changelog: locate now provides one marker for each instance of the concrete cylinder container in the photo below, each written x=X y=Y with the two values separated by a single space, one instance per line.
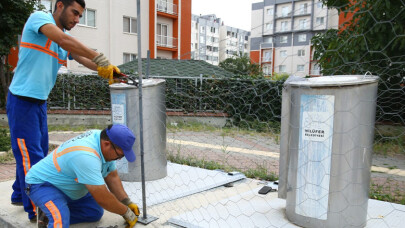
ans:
x=329 y=146
x=125 y=110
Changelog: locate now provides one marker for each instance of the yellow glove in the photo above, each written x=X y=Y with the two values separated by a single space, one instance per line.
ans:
x=130 y=218
x=104 y=68
x=131 y=205
x=107 y=72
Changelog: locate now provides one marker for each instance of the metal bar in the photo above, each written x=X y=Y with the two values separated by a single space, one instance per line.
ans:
x=138 y=13
x=147 y=64
x=144 y=219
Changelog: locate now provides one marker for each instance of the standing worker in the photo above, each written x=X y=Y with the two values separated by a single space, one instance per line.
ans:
x=68 y=185
x=45 y=47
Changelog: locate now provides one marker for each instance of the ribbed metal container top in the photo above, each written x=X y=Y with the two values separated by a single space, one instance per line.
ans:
x=336 y=80
x=145 y=83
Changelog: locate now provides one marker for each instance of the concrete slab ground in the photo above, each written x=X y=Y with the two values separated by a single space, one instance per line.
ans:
x=236 y=206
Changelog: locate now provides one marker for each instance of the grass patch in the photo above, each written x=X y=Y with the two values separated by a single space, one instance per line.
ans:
x=389 y=140
x=195 y=126
x=74 y=128
x=259 y=172
x=389 y=192
x=7 y=158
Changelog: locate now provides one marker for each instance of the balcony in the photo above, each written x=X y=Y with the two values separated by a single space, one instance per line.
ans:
x=283 y=29
x=166 y=42
x=302 y=12
x=266 y=59
x=283 y=15
x=315 y=72
x=166 y=7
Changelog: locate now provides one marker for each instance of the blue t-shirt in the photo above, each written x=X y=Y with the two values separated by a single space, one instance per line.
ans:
x=39 y=59
x=76 y=162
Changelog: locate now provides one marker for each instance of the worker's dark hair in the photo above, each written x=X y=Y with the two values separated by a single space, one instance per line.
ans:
x=70 y=2
x=104 y=136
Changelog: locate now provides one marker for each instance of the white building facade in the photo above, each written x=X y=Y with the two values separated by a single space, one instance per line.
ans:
x=233 y=42
x=110 y=27
x=214 y=42
x=282 y=31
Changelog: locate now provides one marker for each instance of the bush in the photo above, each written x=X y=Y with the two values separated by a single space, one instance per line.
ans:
x=5 y=143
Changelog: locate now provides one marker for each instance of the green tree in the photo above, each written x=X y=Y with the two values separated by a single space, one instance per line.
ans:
x=240 y=65
x=373 y=40
x=13 y=14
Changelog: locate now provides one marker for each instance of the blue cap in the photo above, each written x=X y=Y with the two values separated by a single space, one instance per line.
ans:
x=123 y=137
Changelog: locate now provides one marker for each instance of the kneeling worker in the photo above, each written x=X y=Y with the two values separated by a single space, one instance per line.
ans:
x=69 y=187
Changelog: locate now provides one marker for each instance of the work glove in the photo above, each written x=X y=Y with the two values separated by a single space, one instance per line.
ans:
x=104 y=68
x=131 y=205
x=130 y=218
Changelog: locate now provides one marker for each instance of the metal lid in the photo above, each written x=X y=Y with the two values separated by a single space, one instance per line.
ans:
x=145 y=83
x=335 y=80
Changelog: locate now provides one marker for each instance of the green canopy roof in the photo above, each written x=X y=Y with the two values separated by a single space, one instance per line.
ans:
x=176 y=68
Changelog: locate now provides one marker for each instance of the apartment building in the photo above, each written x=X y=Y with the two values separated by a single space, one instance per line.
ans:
x=110 y=27
x=205 y=38
x=213 y=42
x=281 y=34
x=233 y=41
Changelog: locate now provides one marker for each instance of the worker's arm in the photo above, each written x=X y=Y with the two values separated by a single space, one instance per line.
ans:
x=67 y=42
x=114 y=183
x=85 y=62
x=106 y=199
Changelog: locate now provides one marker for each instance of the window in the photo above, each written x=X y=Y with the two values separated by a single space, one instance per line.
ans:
x=267 y=56
x=130 y=25
x=300 y=68
x=202 y=39
x=285 y=11
x=316 y=70
x=283 y=53
x=284 y=26
x=202 y=29
x=303 y=23
x=162 y=35
x=320 y=20
x=282 y=68
x=268 y=40
x=319 y=5
x=301 y=52
x=283 y=39
x=129 y=57
x=267 y=70
x=269 y=11
x=212 y=29
x=88 y=18
x=228 y=33
x=269 y=26
x=304 y=8
x=302 y=37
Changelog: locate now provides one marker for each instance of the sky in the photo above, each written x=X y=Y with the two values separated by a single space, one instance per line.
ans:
x=234 y=13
